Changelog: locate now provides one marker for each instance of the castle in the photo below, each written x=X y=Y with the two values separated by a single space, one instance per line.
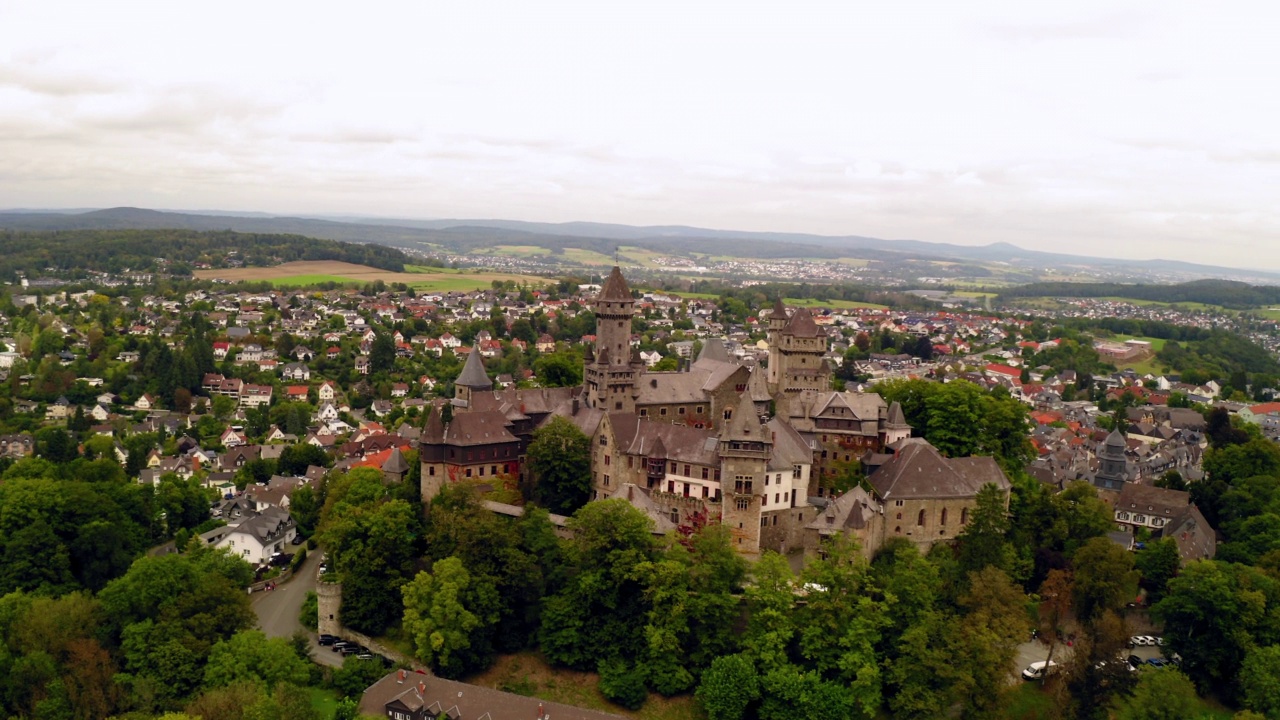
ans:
x=714 y=441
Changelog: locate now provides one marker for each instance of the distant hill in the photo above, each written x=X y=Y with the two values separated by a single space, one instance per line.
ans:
x=1227 y=293
x=464 y=235
x=71 y=253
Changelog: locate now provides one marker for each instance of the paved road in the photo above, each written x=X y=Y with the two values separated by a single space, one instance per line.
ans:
x=278 y=609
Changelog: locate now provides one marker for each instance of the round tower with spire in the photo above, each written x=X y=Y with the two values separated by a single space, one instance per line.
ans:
x=472 y=379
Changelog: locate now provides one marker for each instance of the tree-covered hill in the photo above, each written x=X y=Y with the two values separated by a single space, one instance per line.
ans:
x=1227 y=293
x=73 y=252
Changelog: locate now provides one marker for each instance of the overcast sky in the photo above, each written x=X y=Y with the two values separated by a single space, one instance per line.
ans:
x=1116 y=129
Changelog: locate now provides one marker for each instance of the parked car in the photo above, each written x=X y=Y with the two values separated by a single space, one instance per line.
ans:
x=337 y=646
x=328 y=639
x=1135 y=662
x=1150 y=641
x=1158 y=662
x=351 y=649
x=297 y=540
x=365 y=655
x=1037 y=670
x=1159 y=641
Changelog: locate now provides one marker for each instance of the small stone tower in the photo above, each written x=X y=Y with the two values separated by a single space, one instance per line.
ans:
x=329 y=605
x=612 y=371
x=473 y=378
x=745 y=447
x=895 y=425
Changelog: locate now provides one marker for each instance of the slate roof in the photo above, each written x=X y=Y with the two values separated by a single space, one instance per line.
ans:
x=1151 y=500
x=641 y=501
x=918 y=470
x=464 y=701
x=615 y=287
x=801 y=324
x=853 y=510
x=636 y=436
x=1195 y=538
x=477 y=428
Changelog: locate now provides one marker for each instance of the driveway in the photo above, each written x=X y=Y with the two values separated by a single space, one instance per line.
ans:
x=278 y=609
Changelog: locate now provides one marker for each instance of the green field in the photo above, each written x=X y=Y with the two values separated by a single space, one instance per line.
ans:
x=305 y=280
x=1268 y=313
x=1156 y=303
x=514 y=250
x=587 y=257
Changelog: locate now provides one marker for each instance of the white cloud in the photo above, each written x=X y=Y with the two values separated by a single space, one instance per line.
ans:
x=1139 y=130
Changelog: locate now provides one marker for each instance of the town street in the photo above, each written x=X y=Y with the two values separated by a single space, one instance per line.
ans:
x=278 y=609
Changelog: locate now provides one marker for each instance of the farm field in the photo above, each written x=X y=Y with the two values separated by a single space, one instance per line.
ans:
x=810 y=302
x=313 y=272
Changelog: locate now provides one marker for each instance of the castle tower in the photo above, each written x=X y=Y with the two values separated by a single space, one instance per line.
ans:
x=431 y=455
x=745 y=447
x=796 y=351
x=612 y=372
x=777 y=321
x=472 y=378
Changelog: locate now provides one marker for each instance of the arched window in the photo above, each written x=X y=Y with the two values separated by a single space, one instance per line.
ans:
x=920 y=519
x=943 y=520
x=964 y=516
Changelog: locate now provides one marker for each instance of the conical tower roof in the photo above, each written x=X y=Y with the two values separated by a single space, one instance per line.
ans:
x=744 y=425
x=896 y=419
x=395 y=462
x=1116 y=440
x=658 y=450
x=473 y=374
x=615 y=287
x=779 y=310
x=713 y=349
x=757 y=386
x=433 y=431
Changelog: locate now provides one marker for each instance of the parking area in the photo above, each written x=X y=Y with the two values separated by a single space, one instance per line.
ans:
x=1036 y=651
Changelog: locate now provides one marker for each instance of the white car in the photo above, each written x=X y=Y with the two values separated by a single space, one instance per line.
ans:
x=1159 y=641
x=1139 y=640
x=1037 y=670
x=1149 y=640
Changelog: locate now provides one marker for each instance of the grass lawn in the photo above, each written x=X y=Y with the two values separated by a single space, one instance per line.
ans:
x=1028 y=701
x=528 y=674
x=692 y=295
x=324 y=701
x=1269 y=313
x=479 y=281
x=587 y=257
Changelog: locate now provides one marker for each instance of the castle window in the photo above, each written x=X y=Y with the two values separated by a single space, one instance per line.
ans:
x=795 y=472
x=671 y=486
x=662 y=412
x=604 y=441
x=899 y=516
x=897 y=503
x=675 y=516
x=699 y=410
x=943 y=520
x=686 y=489
x=608 y=460
x=964 y=516
x=606 y=481
x=777 y=498
x=644 y=412
x=898 y=530
x=468 y=472
x=728 y=414
x=431 y=470
x=705 y=473
x=764 y=522
x=705 y=491
x=920 y=519
x=743 y=503
x=775 y=520
x=686 y=471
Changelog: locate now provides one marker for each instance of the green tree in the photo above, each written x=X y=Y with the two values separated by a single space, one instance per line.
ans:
x=1259 y=674
x=788 y=692
x=728 y=687
x=1104 y=577
x=992 y=625
x=841 y=623
x=559 y=458
x=771 y=624
x=982 y=542
x=1161 y=694
x=444 y=611
x=382 y=353
x=1158 y=563
x=595 y=613
x=622 y=682
x=1213 y=614
x=249 y=655
x=559 y=369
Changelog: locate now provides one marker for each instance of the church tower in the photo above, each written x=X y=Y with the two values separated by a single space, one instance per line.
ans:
x=612 y=373
x=1112 y=471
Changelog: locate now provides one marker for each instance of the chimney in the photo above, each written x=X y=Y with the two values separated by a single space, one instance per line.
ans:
x=422 y=689
x=540 y=715
x=401 y=680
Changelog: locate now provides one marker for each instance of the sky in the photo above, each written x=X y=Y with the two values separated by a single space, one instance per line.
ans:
x=1104 y=128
